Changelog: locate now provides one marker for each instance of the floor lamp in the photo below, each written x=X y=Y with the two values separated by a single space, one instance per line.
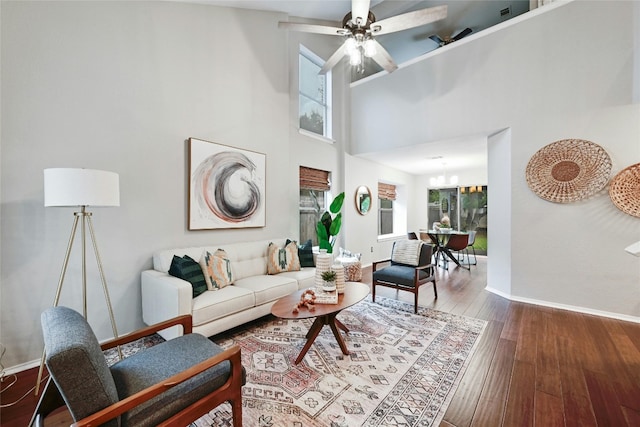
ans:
x=64 y=187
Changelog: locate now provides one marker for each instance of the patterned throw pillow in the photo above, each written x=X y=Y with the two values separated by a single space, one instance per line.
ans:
x=407 y=252
x=186 y=268
x=283 y=259
x=305 y=254
x=217 y=269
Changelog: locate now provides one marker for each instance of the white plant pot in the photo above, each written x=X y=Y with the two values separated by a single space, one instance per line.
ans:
x=329 y=286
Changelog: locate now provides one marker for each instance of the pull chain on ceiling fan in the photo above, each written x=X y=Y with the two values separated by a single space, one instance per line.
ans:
x=360 y=25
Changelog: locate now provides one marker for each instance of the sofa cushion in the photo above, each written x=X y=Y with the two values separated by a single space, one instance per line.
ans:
x=268 y=288
x=399 y=274
x=76 y=363
x=186 y=268
x=155 y=364
x=305 y=277
x=247 y=258
x=282 y=259
x=217 y=269
x=213 y=305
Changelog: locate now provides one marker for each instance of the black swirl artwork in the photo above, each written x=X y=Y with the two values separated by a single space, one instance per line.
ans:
x=225 y=185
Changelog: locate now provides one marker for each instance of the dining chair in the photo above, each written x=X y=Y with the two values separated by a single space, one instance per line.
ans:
x=456 y=243
x=171 y=383
x=472 y=241
x=411 y=235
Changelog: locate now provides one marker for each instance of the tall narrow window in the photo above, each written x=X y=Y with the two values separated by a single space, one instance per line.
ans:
x=314 y=185
x=314 y=94
x=386 y=197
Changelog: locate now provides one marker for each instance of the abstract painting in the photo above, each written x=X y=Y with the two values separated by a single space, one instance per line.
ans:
x=226 y=186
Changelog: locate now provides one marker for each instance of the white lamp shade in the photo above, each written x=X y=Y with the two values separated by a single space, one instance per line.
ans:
x=81 y=187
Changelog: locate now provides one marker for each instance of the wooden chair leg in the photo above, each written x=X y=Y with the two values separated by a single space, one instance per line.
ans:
x=236 y=411
x=415 y=302
x=435 y=291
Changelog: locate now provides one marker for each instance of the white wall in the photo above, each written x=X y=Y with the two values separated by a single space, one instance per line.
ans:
x=120 y=86
x=312 y=151
x=361 y=231
x=561 y=71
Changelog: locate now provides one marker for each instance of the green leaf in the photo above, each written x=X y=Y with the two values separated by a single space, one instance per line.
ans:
x=335 y=225
x=326 y=221
x=336 y=205
x=322 y=232
x=326 y=245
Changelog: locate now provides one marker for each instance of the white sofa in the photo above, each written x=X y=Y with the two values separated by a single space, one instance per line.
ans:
x=251 y=295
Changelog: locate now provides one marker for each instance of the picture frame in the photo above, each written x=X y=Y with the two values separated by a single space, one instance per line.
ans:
x=226 y=186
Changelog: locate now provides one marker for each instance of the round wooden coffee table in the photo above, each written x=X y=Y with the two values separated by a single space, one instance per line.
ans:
x=325 y=314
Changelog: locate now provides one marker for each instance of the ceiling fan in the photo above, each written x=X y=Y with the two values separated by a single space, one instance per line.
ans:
x=441 y=42
x=360 y=25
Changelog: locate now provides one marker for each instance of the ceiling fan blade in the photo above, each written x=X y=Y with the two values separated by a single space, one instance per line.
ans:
x=332 y=61
x=462 y=34
x=409 y=20
x=383 y=58
x=360 y=11
x=309 y=28
x=436 y=38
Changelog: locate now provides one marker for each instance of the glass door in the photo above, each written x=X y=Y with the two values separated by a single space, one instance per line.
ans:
x=443 y=202
x=466 y=207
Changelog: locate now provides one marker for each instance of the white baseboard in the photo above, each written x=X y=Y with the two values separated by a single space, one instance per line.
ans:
x=577 y=309
x=22 y=367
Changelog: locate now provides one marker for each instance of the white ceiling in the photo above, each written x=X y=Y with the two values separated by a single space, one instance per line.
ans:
x=430 y=158
x=433 y=158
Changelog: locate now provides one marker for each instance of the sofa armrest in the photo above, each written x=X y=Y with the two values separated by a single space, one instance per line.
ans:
x=165 y=297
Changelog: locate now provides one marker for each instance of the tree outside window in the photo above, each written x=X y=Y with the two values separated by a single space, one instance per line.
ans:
x=314 y=94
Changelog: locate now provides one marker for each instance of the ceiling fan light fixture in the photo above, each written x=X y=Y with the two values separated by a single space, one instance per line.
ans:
x=370 y=48
x=358 y=27
x=350 y=46
x=355 y=58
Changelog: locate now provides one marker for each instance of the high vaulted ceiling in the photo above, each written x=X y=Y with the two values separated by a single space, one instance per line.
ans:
x=403 y=45
x=432 y=157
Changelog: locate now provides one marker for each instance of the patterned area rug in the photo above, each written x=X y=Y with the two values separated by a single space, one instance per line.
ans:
x=402 y=371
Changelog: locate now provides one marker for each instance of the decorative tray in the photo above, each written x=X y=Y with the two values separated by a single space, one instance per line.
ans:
x=323 y=297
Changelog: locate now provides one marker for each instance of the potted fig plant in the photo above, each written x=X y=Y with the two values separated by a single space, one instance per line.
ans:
x=329 y=225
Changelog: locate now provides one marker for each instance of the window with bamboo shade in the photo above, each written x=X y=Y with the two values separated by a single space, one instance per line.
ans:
x=314 y=183
x=386 y=197
x=386 y=191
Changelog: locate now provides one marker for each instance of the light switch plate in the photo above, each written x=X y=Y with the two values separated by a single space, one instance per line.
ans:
x=633 y=249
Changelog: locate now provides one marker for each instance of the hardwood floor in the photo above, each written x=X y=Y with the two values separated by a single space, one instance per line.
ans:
x=534 y=366
x=537 y=366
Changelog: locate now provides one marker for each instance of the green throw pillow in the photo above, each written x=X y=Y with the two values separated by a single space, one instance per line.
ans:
x=186 y=268
x=305 y=253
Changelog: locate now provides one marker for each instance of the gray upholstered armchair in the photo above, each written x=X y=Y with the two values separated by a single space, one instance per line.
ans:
x=171 y=383
x=409 y=268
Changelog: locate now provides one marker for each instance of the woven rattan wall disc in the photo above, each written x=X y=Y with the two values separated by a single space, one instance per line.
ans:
x=625 y=190
x=568 y=170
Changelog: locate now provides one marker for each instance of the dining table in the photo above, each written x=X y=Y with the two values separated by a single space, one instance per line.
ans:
x=439 y=238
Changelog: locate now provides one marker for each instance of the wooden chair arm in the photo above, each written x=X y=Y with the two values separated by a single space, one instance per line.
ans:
x=374 y=265
x=184 y=320
x=232 y=354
